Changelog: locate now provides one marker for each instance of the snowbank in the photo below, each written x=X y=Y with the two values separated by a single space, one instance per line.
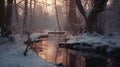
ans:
x=11 y=55
x=111 y=39
x=101 y=45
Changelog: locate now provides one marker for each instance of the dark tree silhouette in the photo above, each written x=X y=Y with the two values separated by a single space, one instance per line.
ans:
x=8 y=17
x=5 y=16
x=2 y=16
x=98 y=6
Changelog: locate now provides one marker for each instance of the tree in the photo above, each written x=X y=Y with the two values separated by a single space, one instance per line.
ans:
x=8 y=17
x=25 y=15
x=98 y=6
x=2 y=16
x=73 y=19
x=31 y=14
x=58 y=22
x=16 y=11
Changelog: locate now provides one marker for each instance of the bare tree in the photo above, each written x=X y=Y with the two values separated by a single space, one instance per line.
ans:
x=25 y=15
x=58 y=22
x=8 y=18
x=98 y=6
x=5 y=24
x=16 y=11
x=73 y=19
x=34 y=9
x=31 y=14
x=2 y=16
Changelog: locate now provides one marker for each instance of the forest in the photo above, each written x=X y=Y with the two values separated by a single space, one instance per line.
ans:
x=74 y=16
x=75 y=32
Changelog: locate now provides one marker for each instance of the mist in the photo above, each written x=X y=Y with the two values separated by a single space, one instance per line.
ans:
x=44 y=18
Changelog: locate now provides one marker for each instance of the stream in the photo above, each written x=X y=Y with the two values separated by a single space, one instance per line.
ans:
x=48 y=49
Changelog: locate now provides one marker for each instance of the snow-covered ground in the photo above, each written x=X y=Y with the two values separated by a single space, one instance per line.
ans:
x=11 y=55
x=96 y=39
x=109 y=43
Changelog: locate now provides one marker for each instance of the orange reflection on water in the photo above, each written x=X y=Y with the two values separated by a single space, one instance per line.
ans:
x=49 y=51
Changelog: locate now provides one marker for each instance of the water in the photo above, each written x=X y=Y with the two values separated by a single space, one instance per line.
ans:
x=48 y=49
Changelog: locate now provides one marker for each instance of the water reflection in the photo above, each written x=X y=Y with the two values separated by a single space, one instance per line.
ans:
x=48 y=49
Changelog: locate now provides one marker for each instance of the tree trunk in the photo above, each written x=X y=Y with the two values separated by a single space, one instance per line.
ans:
x=99 y=6
x=25 y=16
x=58 y=22
x=8 y=18
x=2 y=16
x=31 y=15
x=73 y=19
x=16 y=11
x=80 y=8
x=91 y=20
x=34 y=9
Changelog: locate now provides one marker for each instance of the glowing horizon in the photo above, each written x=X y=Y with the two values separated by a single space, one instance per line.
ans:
x=50 y=6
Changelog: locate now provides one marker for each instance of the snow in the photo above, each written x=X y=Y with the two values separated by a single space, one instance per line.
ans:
x=110 y=41
x=11 y=55
x=34 y=36
x=97 y=39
